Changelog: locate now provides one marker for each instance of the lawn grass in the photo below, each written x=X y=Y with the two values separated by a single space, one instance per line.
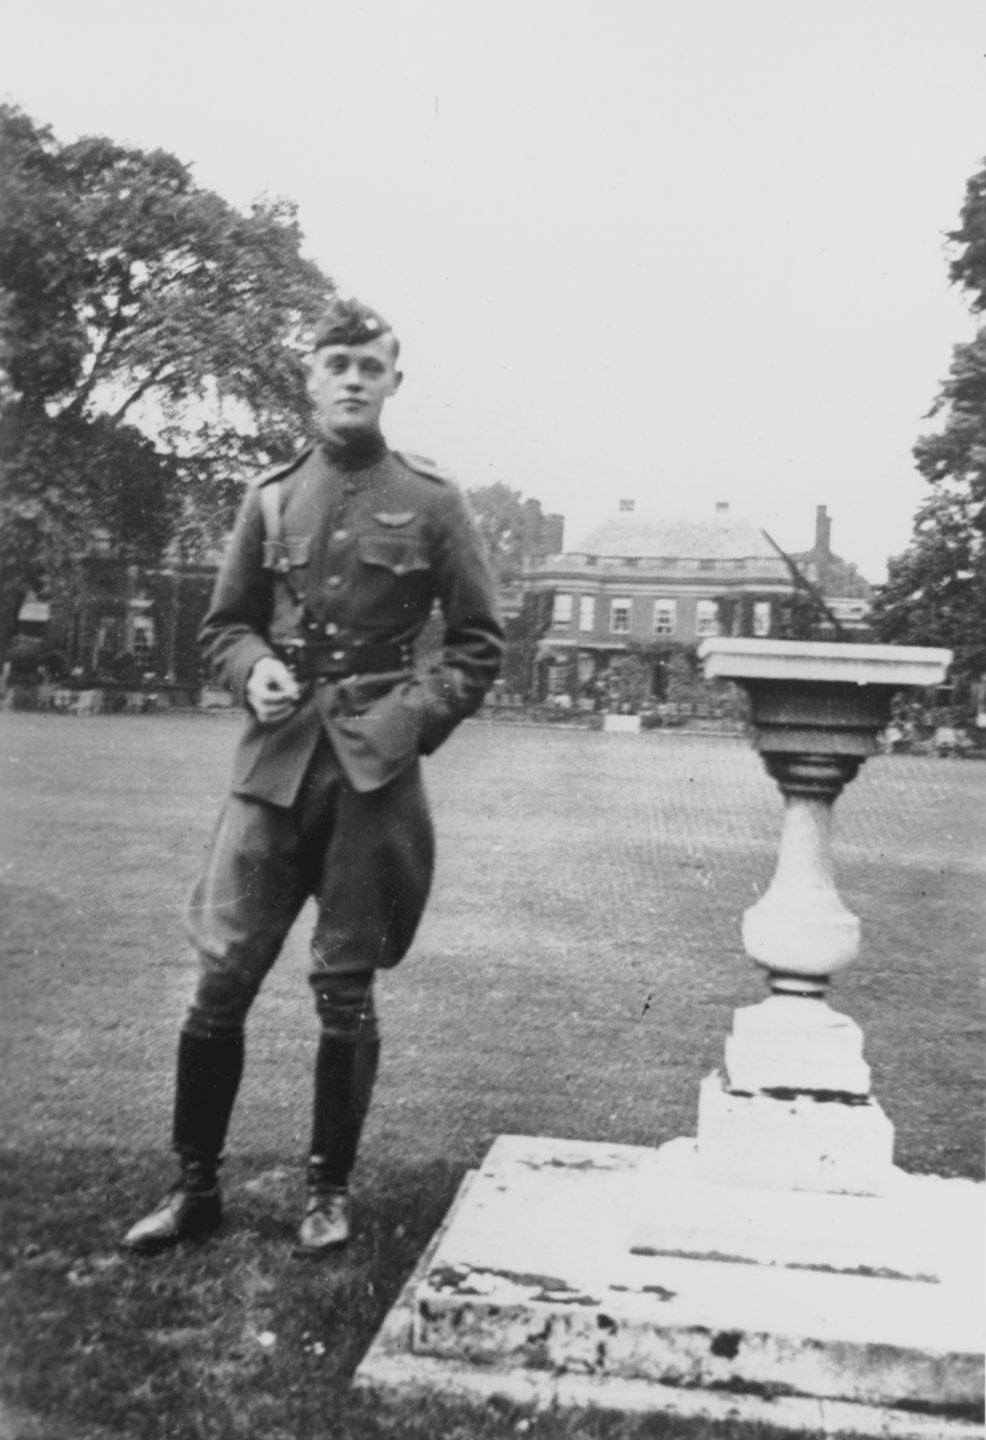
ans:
x=575 y=976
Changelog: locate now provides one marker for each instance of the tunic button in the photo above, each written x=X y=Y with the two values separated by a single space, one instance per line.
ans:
x=340 y=535
x=332 y=628
x=335 y=581
x=338 y=654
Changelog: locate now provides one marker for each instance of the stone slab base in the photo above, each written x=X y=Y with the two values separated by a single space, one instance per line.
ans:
x=800 y=1143
x=534 y=1290
x=922 y=1229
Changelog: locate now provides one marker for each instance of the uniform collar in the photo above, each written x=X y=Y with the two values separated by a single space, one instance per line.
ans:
x=358 y=454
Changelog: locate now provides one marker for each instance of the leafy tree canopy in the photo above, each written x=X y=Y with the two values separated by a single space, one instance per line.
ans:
x=499 y=513
x=936 y=591
x=149 y=344
x=511 y=526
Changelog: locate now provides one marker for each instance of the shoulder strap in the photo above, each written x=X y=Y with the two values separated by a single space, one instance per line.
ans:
x=421 y=466
x=270 y=490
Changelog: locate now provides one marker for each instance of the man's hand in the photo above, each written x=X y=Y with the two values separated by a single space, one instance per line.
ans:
x=271 y=691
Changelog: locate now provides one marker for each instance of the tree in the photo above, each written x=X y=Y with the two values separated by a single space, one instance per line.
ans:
x=513 y=528
x=936 y=590
x=150 y=351
x=500 y=515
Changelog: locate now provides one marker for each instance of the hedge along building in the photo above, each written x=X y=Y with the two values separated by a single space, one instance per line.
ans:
x=645 y=589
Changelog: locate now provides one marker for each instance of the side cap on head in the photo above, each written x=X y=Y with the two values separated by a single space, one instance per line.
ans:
x=349 y=322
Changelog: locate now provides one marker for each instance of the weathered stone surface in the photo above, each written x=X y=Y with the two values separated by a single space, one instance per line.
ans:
x=917 y=1231
x=894 y=666
x=796 y=1043
x=793 y=1141
x=541 y=1281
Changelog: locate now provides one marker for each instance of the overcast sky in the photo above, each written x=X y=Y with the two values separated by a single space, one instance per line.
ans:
x=682 y=252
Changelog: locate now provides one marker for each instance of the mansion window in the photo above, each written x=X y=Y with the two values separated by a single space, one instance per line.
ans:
x=587 y=612
x=706 y=618
x=619 y=617
x=761 y=617
x=665 y=612
x=562 y=613
x=142 y=646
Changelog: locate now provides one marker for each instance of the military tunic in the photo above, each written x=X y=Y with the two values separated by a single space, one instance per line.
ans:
x=330 y=802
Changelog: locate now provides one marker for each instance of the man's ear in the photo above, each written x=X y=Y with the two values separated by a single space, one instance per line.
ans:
x=398 y=381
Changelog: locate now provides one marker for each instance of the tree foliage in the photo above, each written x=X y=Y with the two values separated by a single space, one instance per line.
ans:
x=149 y=344
x=936 y=590
x=501 y=517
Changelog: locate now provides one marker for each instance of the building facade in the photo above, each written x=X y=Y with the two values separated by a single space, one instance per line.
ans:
x=651 y=584
x=637 y=590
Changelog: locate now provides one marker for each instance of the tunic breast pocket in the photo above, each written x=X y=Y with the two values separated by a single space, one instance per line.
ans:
x=400 y=554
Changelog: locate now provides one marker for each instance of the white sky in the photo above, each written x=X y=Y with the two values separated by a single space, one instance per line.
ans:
x=680 y=250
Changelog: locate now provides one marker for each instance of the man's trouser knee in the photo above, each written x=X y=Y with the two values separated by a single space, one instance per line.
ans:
x=245 y=901
x=344 y=1003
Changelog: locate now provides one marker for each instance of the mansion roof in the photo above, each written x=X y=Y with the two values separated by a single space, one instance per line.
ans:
x=724 y=536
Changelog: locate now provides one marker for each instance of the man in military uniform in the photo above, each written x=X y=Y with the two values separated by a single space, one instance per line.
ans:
x=332 y=573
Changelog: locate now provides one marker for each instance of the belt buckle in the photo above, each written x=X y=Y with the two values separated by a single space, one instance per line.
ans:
x=340 y=676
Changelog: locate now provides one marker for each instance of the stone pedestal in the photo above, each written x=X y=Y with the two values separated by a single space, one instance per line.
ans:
x=778 y=1269
x=794 y=1108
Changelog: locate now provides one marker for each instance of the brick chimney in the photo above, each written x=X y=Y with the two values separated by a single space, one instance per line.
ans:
x=626 y=506
x=722 y=507
x=823 y=531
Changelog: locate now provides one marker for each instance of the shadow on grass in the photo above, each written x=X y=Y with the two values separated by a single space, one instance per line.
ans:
x=231 y=1336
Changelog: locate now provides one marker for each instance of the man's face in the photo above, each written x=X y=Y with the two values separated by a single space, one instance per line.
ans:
x=349 y=385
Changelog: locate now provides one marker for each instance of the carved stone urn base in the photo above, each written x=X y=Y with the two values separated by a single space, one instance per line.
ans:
x=794 y=1110
x=795 y=1043
x=798 y=1141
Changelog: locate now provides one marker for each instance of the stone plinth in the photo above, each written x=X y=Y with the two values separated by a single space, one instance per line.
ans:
x=794 y=1107
x=779 y=1269
x=583 y=1274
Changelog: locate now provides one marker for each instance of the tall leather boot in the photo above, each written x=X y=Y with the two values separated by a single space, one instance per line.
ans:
x=344 y=1074
x=208 y=1077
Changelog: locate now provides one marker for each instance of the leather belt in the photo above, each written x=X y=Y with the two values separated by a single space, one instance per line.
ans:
x=308 y=659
